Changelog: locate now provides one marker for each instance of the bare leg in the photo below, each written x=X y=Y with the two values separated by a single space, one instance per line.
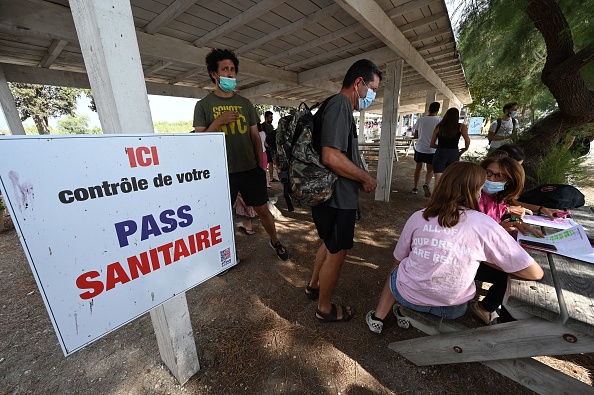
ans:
x=417 y=173
x=429 y=175
x=437 y=177
x=267 y=221
x=386 y=301
x=271 y=171
x=328 y=278
x=248 y=226
x=320 y=258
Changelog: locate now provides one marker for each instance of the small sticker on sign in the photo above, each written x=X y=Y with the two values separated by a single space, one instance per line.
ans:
x=226 y=257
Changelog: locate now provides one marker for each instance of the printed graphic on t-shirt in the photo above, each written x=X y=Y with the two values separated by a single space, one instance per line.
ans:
x=239 y=126
x=438 y=250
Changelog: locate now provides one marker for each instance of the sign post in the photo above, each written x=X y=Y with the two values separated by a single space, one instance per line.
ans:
x=114 y=226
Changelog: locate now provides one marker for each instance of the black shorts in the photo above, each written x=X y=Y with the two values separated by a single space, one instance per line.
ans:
x=268 y=156
x=444 y=157
x=421 y=157
x=335 y=226
x=251 y=184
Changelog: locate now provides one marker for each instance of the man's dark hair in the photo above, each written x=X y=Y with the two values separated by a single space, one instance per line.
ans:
x=215 y=56
x=434 y=107
x=267 y=113
x=509 y=105
x=361 y=68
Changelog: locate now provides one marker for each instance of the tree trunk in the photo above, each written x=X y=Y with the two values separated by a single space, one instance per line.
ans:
x=561 y=74
x=42 y=124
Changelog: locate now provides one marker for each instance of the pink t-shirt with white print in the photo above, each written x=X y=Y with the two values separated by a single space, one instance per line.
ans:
x=438 y=265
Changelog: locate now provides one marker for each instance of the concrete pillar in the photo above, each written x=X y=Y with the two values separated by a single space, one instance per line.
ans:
x=430 y=98
x=445 y=106
x=9 y=107
x=393 y=83
x=108 y=42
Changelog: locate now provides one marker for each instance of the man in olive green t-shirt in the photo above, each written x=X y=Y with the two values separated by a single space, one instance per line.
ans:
x=225 y=111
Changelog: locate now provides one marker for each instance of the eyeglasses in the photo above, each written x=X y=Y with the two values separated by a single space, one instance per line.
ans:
x=497 y=176
x=370 y=87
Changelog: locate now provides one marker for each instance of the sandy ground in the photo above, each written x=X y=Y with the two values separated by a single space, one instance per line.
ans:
x=254 y=329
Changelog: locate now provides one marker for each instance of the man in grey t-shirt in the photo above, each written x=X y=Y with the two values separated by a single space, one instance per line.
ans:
x=335 y=219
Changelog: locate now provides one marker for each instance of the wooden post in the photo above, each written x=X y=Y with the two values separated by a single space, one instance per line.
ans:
x=361 y=126
x=389 y=121
x=108 y=42
x=9 y=107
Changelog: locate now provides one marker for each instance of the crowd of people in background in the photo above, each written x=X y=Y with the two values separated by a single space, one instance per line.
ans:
x=464 y=234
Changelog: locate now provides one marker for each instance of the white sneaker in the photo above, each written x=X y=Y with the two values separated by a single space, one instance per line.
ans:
x=374 y=325
x=402 y=321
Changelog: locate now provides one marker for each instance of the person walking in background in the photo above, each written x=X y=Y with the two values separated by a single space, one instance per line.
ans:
x=335 y=219
x=505 y=129
x=270 y=136
x=452 y=229
x=423 y=151
x=225 y=111
x=445 y=139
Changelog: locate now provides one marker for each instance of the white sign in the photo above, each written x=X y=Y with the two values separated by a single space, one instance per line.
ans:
x=476 y=125
x=115 y=225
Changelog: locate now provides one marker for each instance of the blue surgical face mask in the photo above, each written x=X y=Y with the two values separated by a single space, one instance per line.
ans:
x=513 y=114
x=367 y=100
x=492 y=187
x=227 y=84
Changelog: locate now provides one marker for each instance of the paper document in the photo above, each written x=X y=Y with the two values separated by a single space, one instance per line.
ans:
x=559 y=223
x=571 y=242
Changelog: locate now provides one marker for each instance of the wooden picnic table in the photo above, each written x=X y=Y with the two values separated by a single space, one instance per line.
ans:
x=561 y=311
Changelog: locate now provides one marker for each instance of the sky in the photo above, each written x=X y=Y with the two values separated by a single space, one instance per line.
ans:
x=163 y=108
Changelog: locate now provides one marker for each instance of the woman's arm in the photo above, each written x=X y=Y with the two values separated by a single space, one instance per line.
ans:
x=464 y=132
x=532 y=272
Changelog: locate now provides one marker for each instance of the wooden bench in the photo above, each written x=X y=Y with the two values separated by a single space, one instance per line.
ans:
x=370 y=151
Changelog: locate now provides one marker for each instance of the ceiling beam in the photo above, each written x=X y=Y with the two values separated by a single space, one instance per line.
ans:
x=444 y=31
x=369 y=13
x=423 y=21
x=52 y=53
x=291 y=28
x=170 y=13
x=407 y=7
x=378 y=56
x=264 y=89
x=41 y=76
x=187 y=74
x=261 y=7
x=335 y=52
x=160 y=65
x=354 y=28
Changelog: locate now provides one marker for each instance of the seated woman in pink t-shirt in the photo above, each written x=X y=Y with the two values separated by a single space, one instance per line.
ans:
x=441 y=247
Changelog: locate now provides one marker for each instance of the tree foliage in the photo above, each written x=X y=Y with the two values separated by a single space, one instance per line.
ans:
x=41 y=102
x=76 y=124
x=538 y=53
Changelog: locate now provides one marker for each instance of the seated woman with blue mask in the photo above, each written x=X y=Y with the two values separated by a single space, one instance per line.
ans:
x=505 y=181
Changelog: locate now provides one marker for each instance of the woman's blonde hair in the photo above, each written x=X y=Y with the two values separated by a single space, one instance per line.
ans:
x=513 y=173
x=458 y=187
